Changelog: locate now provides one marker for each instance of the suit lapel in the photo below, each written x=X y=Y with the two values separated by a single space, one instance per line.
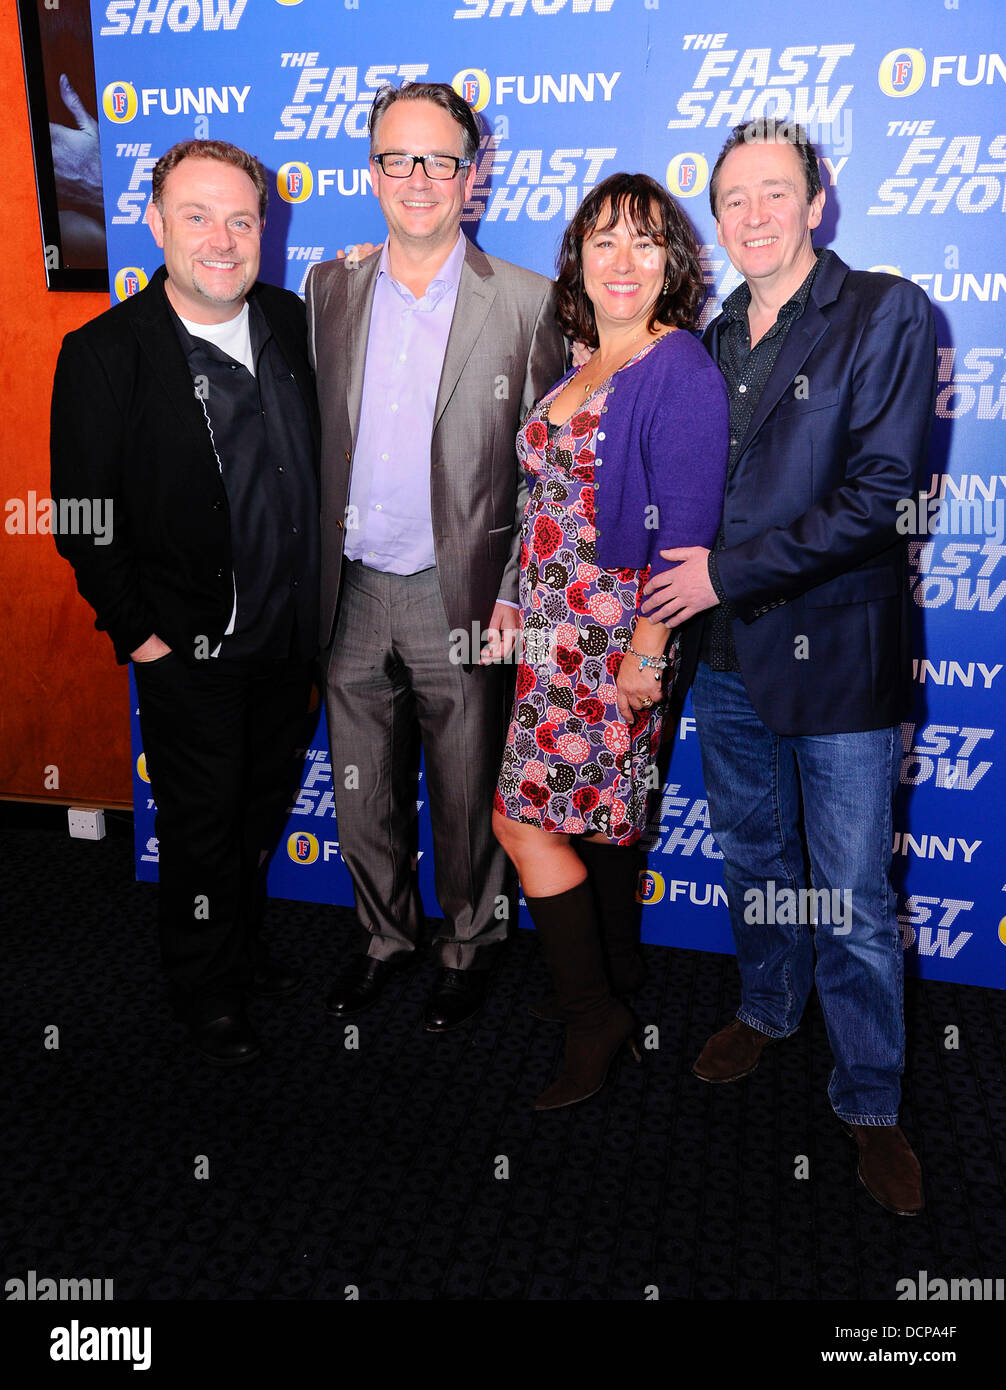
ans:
x=476 y=293
x=360 y=286
x=801 y=339
x=159 y=342
x=800 y=342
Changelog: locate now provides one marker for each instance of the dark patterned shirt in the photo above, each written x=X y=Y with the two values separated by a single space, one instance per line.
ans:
x=746 y=370
x=260 y=431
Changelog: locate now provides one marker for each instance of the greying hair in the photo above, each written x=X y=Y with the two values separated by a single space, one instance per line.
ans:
x=769 y=130
x=438 y=94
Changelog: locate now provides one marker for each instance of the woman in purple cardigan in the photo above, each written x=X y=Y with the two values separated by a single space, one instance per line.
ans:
x=625 y=457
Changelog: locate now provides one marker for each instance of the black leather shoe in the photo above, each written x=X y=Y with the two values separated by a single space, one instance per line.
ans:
x=360 y=985
x=273 y=980
x=226 y=1042
x=456 y=996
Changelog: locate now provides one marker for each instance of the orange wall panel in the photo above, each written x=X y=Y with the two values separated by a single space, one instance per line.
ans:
x=65 y=701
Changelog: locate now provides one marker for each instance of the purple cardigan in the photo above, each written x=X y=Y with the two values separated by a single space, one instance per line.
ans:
x=661 y=458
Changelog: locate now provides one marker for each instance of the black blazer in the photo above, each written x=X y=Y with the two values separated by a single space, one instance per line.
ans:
x=814 y=565
x=127 y=426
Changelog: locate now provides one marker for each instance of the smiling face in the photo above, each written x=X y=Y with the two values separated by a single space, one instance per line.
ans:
x=209 y=230
x=764 y=221
x=623 y=273
x=422 y=214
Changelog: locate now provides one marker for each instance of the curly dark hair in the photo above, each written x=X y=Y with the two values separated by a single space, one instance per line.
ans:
x=650 y=209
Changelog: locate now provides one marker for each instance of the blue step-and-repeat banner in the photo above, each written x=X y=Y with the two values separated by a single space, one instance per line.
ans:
x=907 y=106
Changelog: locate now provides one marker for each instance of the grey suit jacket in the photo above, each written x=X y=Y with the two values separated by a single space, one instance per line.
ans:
x=503 y=352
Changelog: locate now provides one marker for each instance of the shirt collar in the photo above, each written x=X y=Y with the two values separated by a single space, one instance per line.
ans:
x=446 y=280
x=258 y=328
x=736 y=304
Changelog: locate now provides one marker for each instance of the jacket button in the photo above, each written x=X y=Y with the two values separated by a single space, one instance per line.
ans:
x=220 y=574
x=347 y=455
x=338 y=524
x=218 y=505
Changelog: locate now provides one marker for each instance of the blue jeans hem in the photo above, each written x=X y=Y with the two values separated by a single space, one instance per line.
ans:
x=877 y=1121
x=760 y=1027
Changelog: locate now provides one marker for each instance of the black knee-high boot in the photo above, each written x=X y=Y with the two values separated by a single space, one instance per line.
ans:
x=613 y=873
x=614 y=876
x=596 y=1024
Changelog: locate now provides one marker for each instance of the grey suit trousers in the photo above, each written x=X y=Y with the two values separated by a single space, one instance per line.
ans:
x=390 y=687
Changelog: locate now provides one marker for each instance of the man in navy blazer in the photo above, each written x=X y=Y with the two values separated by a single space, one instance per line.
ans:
x=804 y=654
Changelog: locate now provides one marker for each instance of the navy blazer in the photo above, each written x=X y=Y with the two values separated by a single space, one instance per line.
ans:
x=814 y=566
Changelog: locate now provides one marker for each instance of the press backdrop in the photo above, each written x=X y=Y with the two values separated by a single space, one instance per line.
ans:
x=906 y=105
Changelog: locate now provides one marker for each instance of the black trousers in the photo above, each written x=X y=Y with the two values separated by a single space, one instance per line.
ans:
x=220 y=741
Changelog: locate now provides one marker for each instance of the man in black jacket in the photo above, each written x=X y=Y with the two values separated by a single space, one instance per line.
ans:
x=190 y=409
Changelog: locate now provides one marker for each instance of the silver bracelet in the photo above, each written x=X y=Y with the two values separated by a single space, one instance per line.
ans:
x=659 y=663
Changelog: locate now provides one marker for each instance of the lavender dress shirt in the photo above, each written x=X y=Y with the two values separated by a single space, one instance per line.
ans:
x=389 y=493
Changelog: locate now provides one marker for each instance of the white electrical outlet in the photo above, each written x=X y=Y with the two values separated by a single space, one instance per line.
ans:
x=86 y=824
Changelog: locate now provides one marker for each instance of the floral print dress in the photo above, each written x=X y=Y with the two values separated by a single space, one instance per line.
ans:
x=571 y=764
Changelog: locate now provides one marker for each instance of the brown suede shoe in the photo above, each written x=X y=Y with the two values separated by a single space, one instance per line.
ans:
x=731 y=1053
x=888 y=1168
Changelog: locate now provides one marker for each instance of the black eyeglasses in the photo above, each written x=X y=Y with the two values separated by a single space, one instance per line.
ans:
x=435 y=166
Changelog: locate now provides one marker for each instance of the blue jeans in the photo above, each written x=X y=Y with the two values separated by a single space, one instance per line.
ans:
x=756 y=781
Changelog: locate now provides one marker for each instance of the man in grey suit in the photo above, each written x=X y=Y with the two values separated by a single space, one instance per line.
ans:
x=427 y=354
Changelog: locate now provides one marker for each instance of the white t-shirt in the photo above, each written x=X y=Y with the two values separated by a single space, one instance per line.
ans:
x=232 y=337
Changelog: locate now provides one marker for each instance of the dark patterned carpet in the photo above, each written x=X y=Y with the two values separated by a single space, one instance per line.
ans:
x=412 y=1167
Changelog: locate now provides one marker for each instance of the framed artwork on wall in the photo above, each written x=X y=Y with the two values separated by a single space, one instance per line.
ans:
x=62 y=105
